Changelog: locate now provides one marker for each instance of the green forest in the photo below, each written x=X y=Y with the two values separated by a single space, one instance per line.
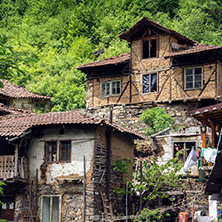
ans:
x=59 y=35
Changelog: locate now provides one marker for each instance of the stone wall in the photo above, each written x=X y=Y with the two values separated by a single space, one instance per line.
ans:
x=71 y=201
x=128 y=115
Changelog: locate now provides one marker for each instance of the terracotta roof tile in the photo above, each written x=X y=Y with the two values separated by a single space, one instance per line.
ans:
x=109 y=61
x=145 y=22
x=14 y=91
x=16 y=125
x=12 y=110
x=194 y=49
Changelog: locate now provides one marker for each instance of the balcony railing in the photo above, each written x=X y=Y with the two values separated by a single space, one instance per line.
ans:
x=12 y=168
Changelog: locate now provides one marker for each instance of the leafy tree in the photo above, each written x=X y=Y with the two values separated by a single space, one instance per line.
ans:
x=154 y=183
x=156 y=120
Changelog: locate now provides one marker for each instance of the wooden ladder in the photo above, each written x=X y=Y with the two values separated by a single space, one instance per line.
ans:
x=107 y=207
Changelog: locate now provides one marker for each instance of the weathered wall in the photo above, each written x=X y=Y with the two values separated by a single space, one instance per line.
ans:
x=82 y=138
x=28 y=103
x=71 y=201
x=128 y=115
x=170 y=81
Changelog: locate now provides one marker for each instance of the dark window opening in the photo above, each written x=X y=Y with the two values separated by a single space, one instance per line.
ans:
x=150 y=83
x=39 y=107
x=4 y=101
x=65 y=151
x=51 y=151
x=149 y=48
x=185 y=147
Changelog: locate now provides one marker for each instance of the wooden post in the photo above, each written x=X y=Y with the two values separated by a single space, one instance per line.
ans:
x=36 y=196
x=16 y=160
x=130 y=89
x=212 y=125
x=141 y=177
x=84 y=189
x=203 y=130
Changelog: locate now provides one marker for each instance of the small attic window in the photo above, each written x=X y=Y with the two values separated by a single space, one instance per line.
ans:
x=149 y=48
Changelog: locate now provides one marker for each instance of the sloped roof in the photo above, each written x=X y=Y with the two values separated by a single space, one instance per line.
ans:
x=14 y=91
x=213 y=112
x=194 y=49
x=109 y=61
x=12 y=110
x=16 y=125
x=141 y=26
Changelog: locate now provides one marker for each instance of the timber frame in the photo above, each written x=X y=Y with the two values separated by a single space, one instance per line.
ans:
x=174 y=54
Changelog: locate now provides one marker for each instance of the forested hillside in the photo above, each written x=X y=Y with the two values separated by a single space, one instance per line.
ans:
x=61 y=34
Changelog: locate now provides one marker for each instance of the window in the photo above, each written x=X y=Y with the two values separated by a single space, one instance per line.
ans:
x=149 y=48
x=150 y=83
x=110 y=88
x=65 y=151
x=185 y=147
x=51 y=151
x=39 y=107
x=4 y=101
x=193 y=78
x=50 y=208
x=52 y=154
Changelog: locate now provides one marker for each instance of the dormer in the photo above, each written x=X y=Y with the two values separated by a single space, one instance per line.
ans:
x=151 y=42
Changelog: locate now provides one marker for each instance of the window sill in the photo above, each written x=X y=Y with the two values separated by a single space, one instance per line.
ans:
x=150 y=93
x=110 y=96
x=192 y=89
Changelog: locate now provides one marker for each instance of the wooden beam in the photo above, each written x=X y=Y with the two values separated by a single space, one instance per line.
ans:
x=123 y=92
x=213 y=127
x=157 y=97
x=180 y=86
x=207 y=82
x=203 y=130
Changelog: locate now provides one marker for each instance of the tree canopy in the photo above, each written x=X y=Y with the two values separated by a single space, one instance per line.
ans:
x=62 y=34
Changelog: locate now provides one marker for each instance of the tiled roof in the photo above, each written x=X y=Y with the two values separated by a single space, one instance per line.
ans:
x=123 y=129
x=194 y=49
x=109 y=61
x=12 y=110
x=213 y=113
x=14 y=91
x=16 y=125
x=142 y=26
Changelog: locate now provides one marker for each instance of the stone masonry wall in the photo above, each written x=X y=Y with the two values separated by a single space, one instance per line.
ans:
x=128 y=114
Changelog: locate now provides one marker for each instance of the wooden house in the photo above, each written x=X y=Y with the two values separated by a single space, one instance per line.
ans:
x=58 y=166
x=21 y=98
x=163 y=68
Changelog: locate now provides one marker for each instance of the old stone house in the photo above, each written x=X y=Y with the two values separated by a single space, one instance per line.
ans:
x=21 y=98
x=163 y=68
x=57 y=166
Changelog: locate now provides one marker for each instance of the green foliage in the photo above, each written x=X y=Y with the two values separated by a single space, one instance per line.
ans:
x=154 y=183
x=156 y=119
x=62 y=34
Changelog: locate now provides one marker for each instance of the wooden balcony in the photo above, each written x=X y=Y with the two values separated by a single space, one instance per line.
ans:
x=13 y=169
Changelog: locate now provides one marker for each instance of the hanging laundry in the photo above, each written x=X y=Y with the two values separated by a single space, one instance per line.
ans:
x=191 y=160
x=209 y=154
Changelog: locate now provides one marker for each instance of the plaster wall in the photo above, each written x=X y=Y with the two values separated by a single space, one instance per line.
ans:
x=82 y=144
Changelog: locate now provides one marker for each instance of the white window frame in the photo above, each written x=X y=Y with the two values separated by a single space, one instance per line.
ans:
x=150 y=74
x=110 y=83
x=60 y=206
x=193 y=81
